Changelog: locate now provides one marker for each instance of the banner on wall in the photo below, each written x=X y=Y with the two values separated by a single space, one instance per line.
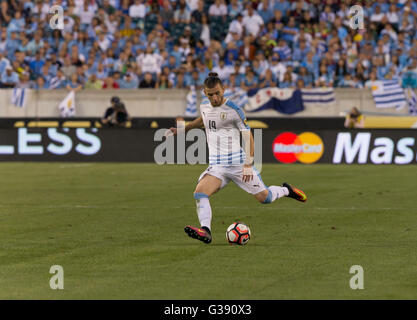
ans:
x=141 y=145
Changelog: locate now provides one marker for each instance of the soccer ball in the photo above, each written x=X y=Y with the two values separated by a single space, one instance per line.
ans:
x=238 y=233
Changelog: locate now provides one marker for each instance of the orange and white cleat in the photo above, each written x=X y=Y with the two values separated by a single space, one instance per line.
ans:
x=295 y=193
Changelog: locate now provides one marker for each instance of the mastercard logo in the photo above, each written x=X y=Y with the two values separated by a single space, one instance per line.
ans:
x=306 y=147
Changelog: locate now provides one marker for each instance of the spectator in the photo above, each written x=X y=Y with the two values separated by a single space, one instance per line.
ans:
x=147 y=82
x=264 y=11
x=128 y=82
x=110 y=83
x=9 y=78
x=93 y=82
x=197 y=13
x=138 y=10
x=205 y=31
x=41 y=84
x=103 y=37
x=354 y=119
x=182 y=15
x=73 y=84
x=150 y=61
x=25 y=81
x=248 y=49
x=37 y=42
x=180 y=81
x=250 y=81
x=218 y=9
x=290 y=31
x=378 y=15
x=235 y=29
x=287 y=81
x=300 y=84
x=167 y=15
x=306 y=77
x=252 y=22
x=267 y=80
x=277 y=68
x=163 y=82
x=409 y=79
x=222 y=70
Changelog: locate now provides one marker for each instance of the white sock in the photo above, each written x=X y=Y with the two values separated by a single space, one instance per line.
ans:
x=278 y=192
x=204 y=212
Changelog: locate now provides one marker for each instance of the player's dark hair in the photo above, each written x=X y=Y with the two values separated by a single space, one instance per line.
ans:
x=212 y=80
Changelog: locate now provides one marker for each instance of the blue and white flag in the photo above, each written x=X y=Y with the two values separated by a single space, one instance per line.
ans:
x=237 y=95
x=288 y=101
x=317 y=96
x=412 y=101
x=18 y=97
x=388 y=94
x=191 y=110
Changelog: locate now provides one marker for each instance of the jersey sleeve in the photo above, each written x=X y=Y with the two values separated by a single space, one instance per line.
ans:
x=239 y=117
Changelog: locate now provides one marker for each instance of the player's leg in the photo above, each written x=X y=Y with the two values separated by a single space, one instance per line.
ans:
x=268 y=196
x=206 y=187
x=272 y=193
x=265 y=194
x=209 y=183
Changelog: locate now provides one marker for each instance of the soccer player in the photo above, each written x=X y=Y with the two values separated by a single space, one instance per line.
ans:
x=224 y=122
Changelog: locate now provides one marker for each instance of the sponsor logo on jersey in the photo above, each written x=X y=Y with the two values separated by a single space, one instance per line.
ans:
x=306 y=147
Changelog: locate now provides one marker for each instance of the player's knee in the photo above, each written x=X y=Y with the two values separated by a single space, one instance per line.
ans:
x=200 y=195
x=264 y=197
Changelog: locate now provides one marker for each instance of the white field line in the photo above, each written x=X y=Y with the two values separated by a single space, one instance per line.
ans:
x=75 y=165
x=242 y=208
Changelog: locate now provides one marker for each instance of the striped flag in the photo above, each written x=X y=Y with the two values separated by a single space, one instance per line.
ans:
x=319 y=96
x=237 y=95
x=18 y=97
x=288 y=101
x=191 y=110
x=388 y=94
x=412 y=101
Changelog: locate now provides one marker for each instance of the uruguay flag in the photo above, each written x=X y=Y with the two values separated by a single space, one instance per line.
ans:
x=237 y=95
x=319 y=96
x=388 y=94
x=287 y=101
x=191 y=109
x=67 y=106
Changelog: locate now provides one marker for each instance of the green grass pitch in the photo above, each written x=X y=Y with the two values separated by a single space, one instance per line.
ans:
x=117 y=230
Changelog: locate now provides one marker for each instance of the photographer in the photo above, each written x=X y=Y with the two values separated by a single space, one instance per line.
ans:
x=116 y=115
x=354 y=119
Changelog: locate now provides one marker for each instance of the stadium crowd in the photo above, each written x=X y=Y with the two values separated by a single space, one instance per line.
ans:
x=174 y=44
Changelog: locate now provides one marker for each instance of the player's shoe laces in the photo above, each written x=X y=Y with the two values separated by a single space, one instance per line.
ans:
x=295 y=193
x=198 y=233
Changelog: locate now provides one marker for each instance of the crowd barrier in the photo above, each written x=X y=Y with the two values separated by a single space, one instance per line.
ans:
x=166 y=103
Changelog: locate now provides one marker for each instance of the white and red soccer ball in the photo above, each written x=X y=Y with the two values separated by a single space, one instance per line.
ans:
x=238 y=233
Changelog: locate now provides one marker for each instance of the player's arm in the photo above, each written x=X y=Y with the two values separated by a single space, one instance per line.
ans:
x=248 y=145
x=196 y=123
x=249 y=149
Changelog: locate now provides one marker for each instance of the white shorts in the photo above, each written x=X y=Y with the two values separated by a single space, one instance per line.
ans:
x=235 y=173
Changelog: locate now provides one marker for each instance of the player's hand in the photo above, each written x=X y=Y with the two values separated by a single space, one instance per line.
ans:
x=170 y=132
x=247 y=173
